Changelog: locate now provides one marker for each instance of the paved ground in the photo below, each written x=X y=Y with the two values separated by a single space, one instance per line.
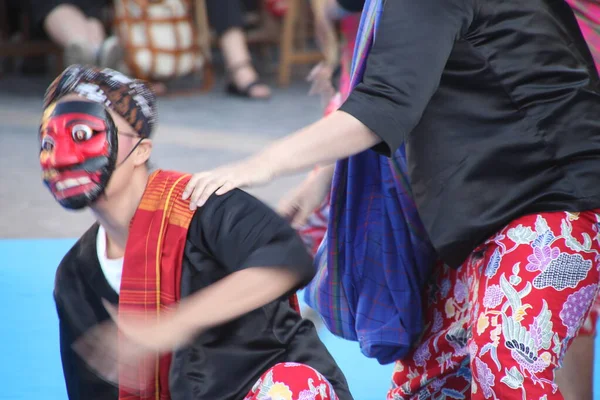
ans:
x=195 y=133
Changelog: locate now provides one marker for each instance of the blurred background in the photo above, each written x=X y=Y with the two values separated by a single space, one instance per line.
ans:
x=231 y=77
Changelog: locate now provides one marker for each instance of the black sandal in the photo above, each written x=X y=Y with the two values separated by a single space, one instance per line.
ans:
x=235 y=90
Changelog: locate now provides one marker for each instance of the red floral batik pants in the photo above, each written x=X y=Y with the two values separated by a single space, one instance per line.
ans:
x=591 y=322
x=499 y=326
x=292 y=381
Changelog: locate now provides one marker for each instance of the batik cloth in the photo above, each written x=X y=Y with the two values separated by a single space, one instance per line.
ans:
x=376 y=256
x=587 y=13
x=292 y=381
x=130 y=98
x=590 y=325
x=313 y=231
x=498 y=326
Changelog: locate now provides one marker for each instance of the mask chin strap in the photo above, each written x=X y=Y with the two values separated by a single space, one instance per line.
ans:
x=130 y=153
x=125 y=159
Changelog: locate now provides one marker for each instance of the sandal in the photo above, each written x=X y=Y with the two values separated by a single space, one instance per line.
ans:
x=233 y=89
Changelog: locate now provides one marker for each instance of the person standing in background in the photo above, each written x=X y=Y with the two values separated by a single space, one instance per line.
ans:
x=76 y=25
x=226 y=17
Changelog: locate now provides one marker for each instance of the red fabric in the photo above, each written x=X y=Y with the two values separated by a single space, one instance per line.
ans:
x=499 y=326
x=588 y=17
x=277 y=7
x=587 y=13
x=313 y=232
x=294 y=303
x=590 y=325
x=151 y=278
x=292 y=381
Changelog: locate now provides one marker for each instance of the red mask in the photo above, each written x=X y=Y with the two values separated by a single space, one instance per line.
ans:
x=78 y=152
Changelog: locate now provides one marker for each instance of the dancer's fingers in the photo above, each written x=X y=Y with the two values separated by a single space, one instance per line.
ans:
x=227 y=186
x=189 y=188
x=204 y=191
x=288 y=210
x=112 y=311
x=301 y=217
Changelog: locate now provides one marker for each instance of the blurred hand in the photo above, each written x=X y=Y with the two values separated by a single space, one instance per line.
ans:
x=134 y=352
x=301 y=202
x=221 y=180
x=325 y=31
x=326 y=36
x=321 y=78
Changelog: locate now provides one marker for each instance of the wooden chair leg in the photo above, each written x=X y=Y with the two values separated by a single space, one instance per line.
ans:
x=4 y=62
x=302 y=33
x=286 y=46
x=59 y=63
x=204 y=39
x=22 y=45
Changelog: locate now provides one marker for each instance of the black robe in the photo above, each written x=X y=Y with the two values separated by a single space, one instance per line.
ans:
x=230 y=233
x=496 y=103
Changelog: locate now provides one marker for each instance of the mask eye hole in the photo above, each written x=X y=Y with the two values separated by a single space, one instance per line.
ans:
x=47 y=143
x=81 y=133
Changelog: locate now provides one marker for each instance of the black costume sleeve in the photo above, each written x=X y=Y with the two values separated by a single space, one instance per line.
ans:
x=240 y=232
x=67 y=356
x=77 y=313
x=351 y=5
x=81 y=382
x=404 y=67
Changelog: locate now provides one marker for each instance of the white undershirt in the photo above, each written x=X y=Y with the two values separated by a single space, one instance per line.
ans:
x=111 y=267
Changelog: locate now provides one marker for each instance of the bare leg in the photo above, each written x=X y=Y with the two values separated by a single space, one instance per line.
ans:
x=237 y=58
x=575 y=378
x=96 y=33
x=67 y=24
x=80 y=36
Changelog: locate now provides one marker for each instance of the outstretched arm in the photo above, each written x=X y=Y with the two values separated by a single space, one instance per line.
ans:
x=334 y=137
x=233 y=296
x=403 y=70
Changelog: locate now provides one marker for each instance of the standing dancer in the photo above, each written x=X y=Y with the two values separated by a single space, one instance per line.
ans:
x=576 y=378
x=202 y=296
x=496 y=104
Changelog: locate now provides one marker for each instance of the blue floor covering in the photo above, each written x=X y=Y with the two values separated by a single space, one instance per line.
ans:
x=30 y=361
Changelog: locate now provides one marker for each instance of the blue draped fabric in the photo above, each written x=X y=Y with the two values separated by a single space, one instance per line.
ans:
x=376 y=257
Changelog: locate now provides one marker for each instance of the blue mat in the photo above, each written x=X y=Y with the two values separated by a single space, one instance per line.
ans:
x=29 y=334
x=31 y=366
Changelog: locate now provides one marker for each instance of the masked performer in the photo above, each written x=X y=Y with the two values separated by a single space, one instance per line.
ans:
x=496 y=105
x=204 y=307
